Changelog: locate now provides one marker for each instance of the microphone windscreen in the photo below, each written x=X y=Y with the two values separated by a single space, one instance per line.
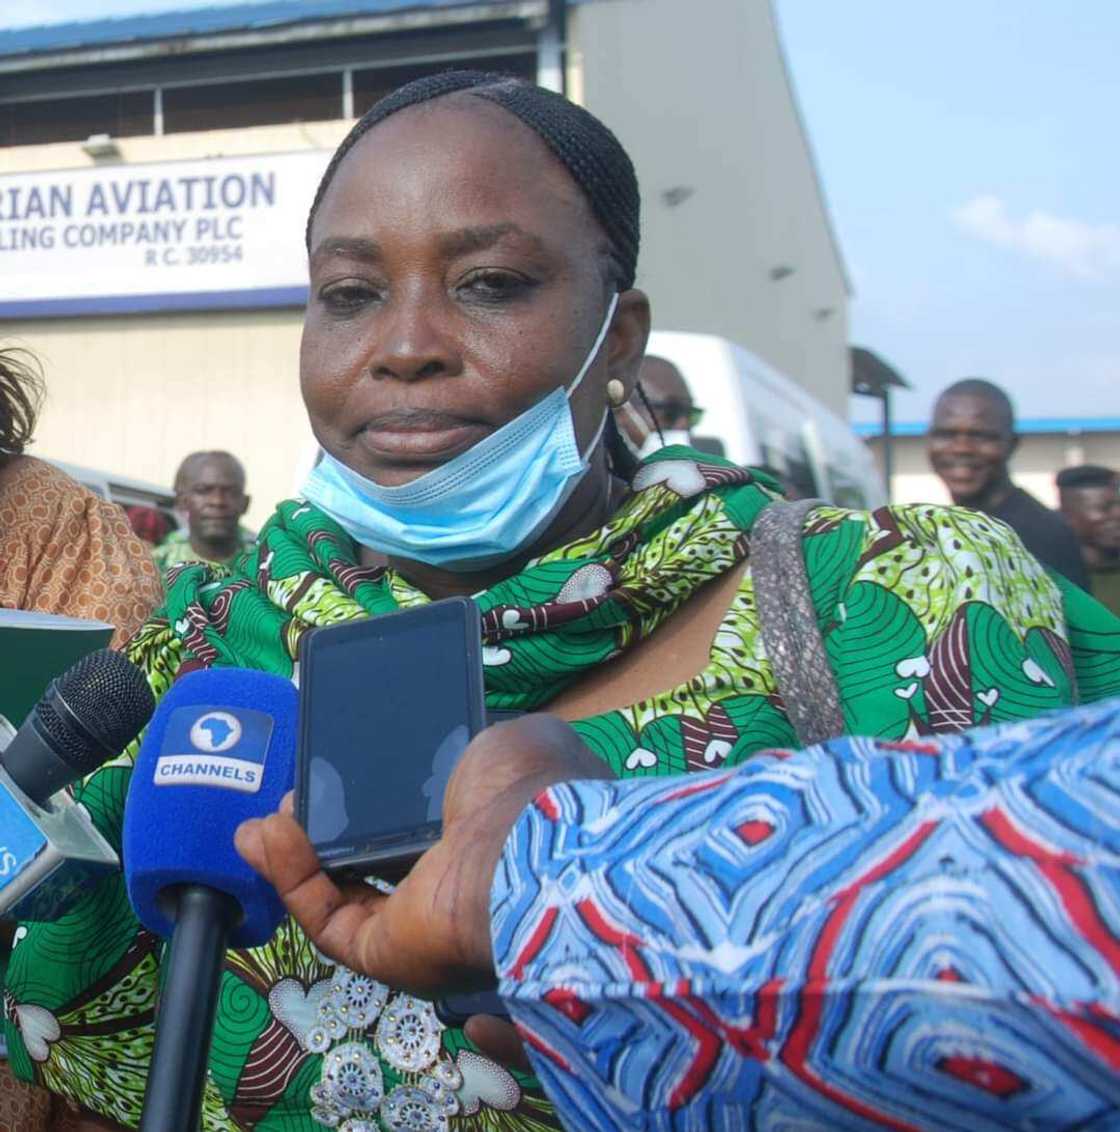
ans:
x=220 y=749
x=104 y=695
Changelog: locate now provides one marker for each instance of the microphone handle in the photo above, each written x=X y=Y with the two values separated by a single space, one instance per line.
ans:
x=187 y=1004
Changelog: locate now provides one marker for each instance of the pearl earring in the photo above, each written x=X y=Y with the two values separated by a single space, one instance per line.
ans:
x=616 y=392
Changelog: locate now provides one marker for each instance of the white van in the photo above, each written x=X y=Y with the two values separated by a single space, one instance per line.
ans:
x=755 y=415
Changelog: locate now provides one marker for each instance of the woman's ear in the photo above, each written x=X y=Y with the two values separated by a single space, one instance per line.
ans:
x=626 y=342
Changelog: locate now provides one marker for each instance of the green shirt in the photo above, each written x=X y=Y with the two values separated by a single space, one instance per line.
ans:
x=176 y=548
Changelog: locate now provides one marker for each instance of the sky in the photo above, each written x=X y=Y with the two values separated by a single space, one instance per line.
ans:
x=968 y=156
x=24 y=13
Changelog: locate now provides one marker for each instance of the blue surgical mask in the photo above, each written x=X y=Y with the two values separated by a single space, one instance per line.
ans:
x=481 y=507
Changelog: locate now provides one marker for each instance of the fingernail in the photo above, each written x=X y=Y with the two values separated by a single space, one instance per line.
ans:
x=245 y=831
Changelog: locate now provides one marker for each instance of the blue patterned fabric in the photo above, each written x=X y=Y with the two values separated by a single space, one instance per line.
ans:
x=912 y=935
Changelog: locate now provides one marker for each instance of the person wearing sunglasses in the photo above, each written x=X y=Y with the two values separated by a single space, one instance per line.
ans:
x=663 y=412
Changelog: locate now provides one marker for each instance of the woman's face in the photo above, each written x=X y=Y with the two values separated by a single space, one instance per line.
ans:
x=457 y=276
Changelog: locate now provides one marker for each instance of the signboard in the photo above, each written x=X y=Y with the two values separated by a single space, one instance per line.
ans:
x=181 y=235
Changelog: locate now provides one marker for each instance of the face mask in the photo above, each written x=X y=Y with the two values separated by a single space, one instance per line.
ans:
x=479 y=508
x=654 y=443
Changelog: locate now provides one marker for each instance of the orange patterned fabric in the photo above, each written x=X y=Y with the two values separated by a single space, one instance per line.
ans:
x=27 y=1108
x=23 y=1108
x=63 y=550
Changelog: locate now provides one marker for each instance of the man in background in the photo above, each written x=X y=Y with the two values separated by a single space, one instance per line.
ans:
x=210 y=492
x=1089 y=496
x=667 y=408
x=970 y=445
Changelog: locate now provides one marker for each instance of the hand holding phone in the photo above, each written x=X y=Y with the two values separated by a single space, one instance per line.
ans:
x=387 y=708
x=442 y=906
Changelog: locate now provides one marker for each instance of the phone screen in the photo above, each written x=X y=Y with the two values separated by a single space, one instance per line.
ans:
x=387 y=708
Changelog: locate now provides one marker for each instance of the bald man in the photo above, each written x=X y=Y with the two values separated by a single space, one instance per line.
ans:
x=970 y=444
x=210 y=491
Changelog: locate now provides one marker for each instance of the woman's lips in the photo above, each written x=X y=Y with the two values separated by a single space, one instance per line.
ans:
x=420 y=435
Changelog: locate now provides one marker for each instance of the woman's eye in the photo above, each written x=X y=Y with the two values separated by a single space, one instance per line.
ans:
x=344 y=298
x=493 y=286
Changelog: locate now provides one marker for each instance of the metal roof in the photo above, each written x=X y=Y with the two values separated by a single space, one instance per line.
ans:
x=270 y=14
x=872 y=376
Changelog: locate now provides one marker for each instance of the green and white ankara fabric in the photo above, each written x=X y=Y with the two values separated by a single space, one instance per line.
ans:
x=933 y=619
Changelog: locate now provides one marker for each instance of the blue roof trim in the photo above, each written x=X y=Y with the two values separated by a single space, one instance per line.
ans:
x=138 y=304
x=46 y=38
x=872 y=429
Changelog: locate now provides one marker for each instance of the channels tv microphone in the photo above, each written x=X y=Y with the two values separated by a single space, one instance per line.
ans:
x=50 y=850
x=220 y=749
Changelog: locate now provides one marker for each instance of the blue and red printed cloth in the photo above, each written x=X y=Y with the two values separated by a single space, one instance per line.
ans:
x=916 y=935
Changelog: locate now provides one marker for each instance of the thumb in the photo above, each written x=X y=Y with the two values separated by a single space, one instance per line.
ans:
x=498 y=1038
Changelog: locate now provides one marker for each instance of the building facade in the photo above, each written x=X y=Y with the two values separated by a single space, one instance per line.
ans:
x=155 y=175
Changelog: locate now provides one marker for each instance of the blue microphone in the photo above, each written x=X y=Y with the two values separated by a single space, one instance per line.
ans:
x=220 y=749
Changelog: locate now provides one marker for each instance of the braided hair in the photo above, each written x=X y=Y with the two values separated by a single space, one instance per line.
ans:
x=593 y=156
x=21 y=394
x=584 y=146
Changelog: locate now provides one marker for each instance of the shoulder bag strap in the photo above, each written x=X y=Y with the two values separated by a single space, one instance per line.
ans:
x=789 y=622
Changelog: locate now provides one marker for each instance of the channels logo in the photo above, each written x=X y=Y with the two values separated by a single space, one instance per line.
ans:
x=208 y=770
x=210 y=746
x=216 y=731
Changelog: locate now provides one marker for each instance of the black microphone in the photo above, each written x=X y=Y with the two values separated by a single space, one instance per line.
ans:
x=50 y=851
x=88 y=714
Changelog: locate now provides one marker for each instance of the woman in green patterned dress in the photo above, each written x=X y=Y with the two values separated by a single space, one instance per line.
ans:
x=472 y=317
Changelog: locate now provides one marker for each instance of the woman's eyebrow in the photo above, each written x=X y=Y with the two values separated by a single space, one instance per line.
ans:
x=479 y=238
x=348 y=247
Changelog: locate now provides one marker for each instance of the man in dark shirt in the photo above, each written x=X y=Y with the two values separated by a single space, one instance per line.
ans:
x=1089 y=496
x=970 y=445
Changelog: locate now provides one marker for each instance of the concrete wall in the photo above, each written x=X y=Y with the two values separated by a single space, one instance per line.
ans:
x=134 y=395
x=699 y=95
x=1039 y=458
x=178 y=147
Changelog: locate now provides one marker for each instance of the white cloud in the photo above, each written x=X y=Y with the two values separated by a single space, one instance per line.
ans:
x=1088 y=251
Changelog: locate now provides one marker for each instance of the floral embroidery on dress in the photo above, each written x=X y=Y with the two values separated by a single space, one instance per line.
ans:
x=351 y=1092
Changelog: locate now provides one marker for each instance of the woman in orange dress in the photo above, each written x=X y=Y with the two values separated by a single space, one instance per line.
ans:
x=62 y=550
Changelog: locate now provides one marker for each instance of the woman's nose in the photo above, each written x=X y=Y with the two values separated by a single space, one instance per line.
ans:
x=414 y=341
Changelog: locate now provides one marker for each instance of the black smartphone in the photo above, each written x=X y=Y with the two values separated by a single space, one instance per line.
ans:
x=455 y=1009
x=387 y=707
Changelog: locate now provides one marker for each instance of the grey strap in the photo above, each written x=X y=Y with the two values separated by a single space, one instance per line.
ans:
x=789 y=622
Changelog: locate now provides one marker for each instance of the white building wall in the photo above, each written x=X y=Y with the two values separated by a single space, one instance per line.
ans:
x=133 y=395
x=699 y=95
